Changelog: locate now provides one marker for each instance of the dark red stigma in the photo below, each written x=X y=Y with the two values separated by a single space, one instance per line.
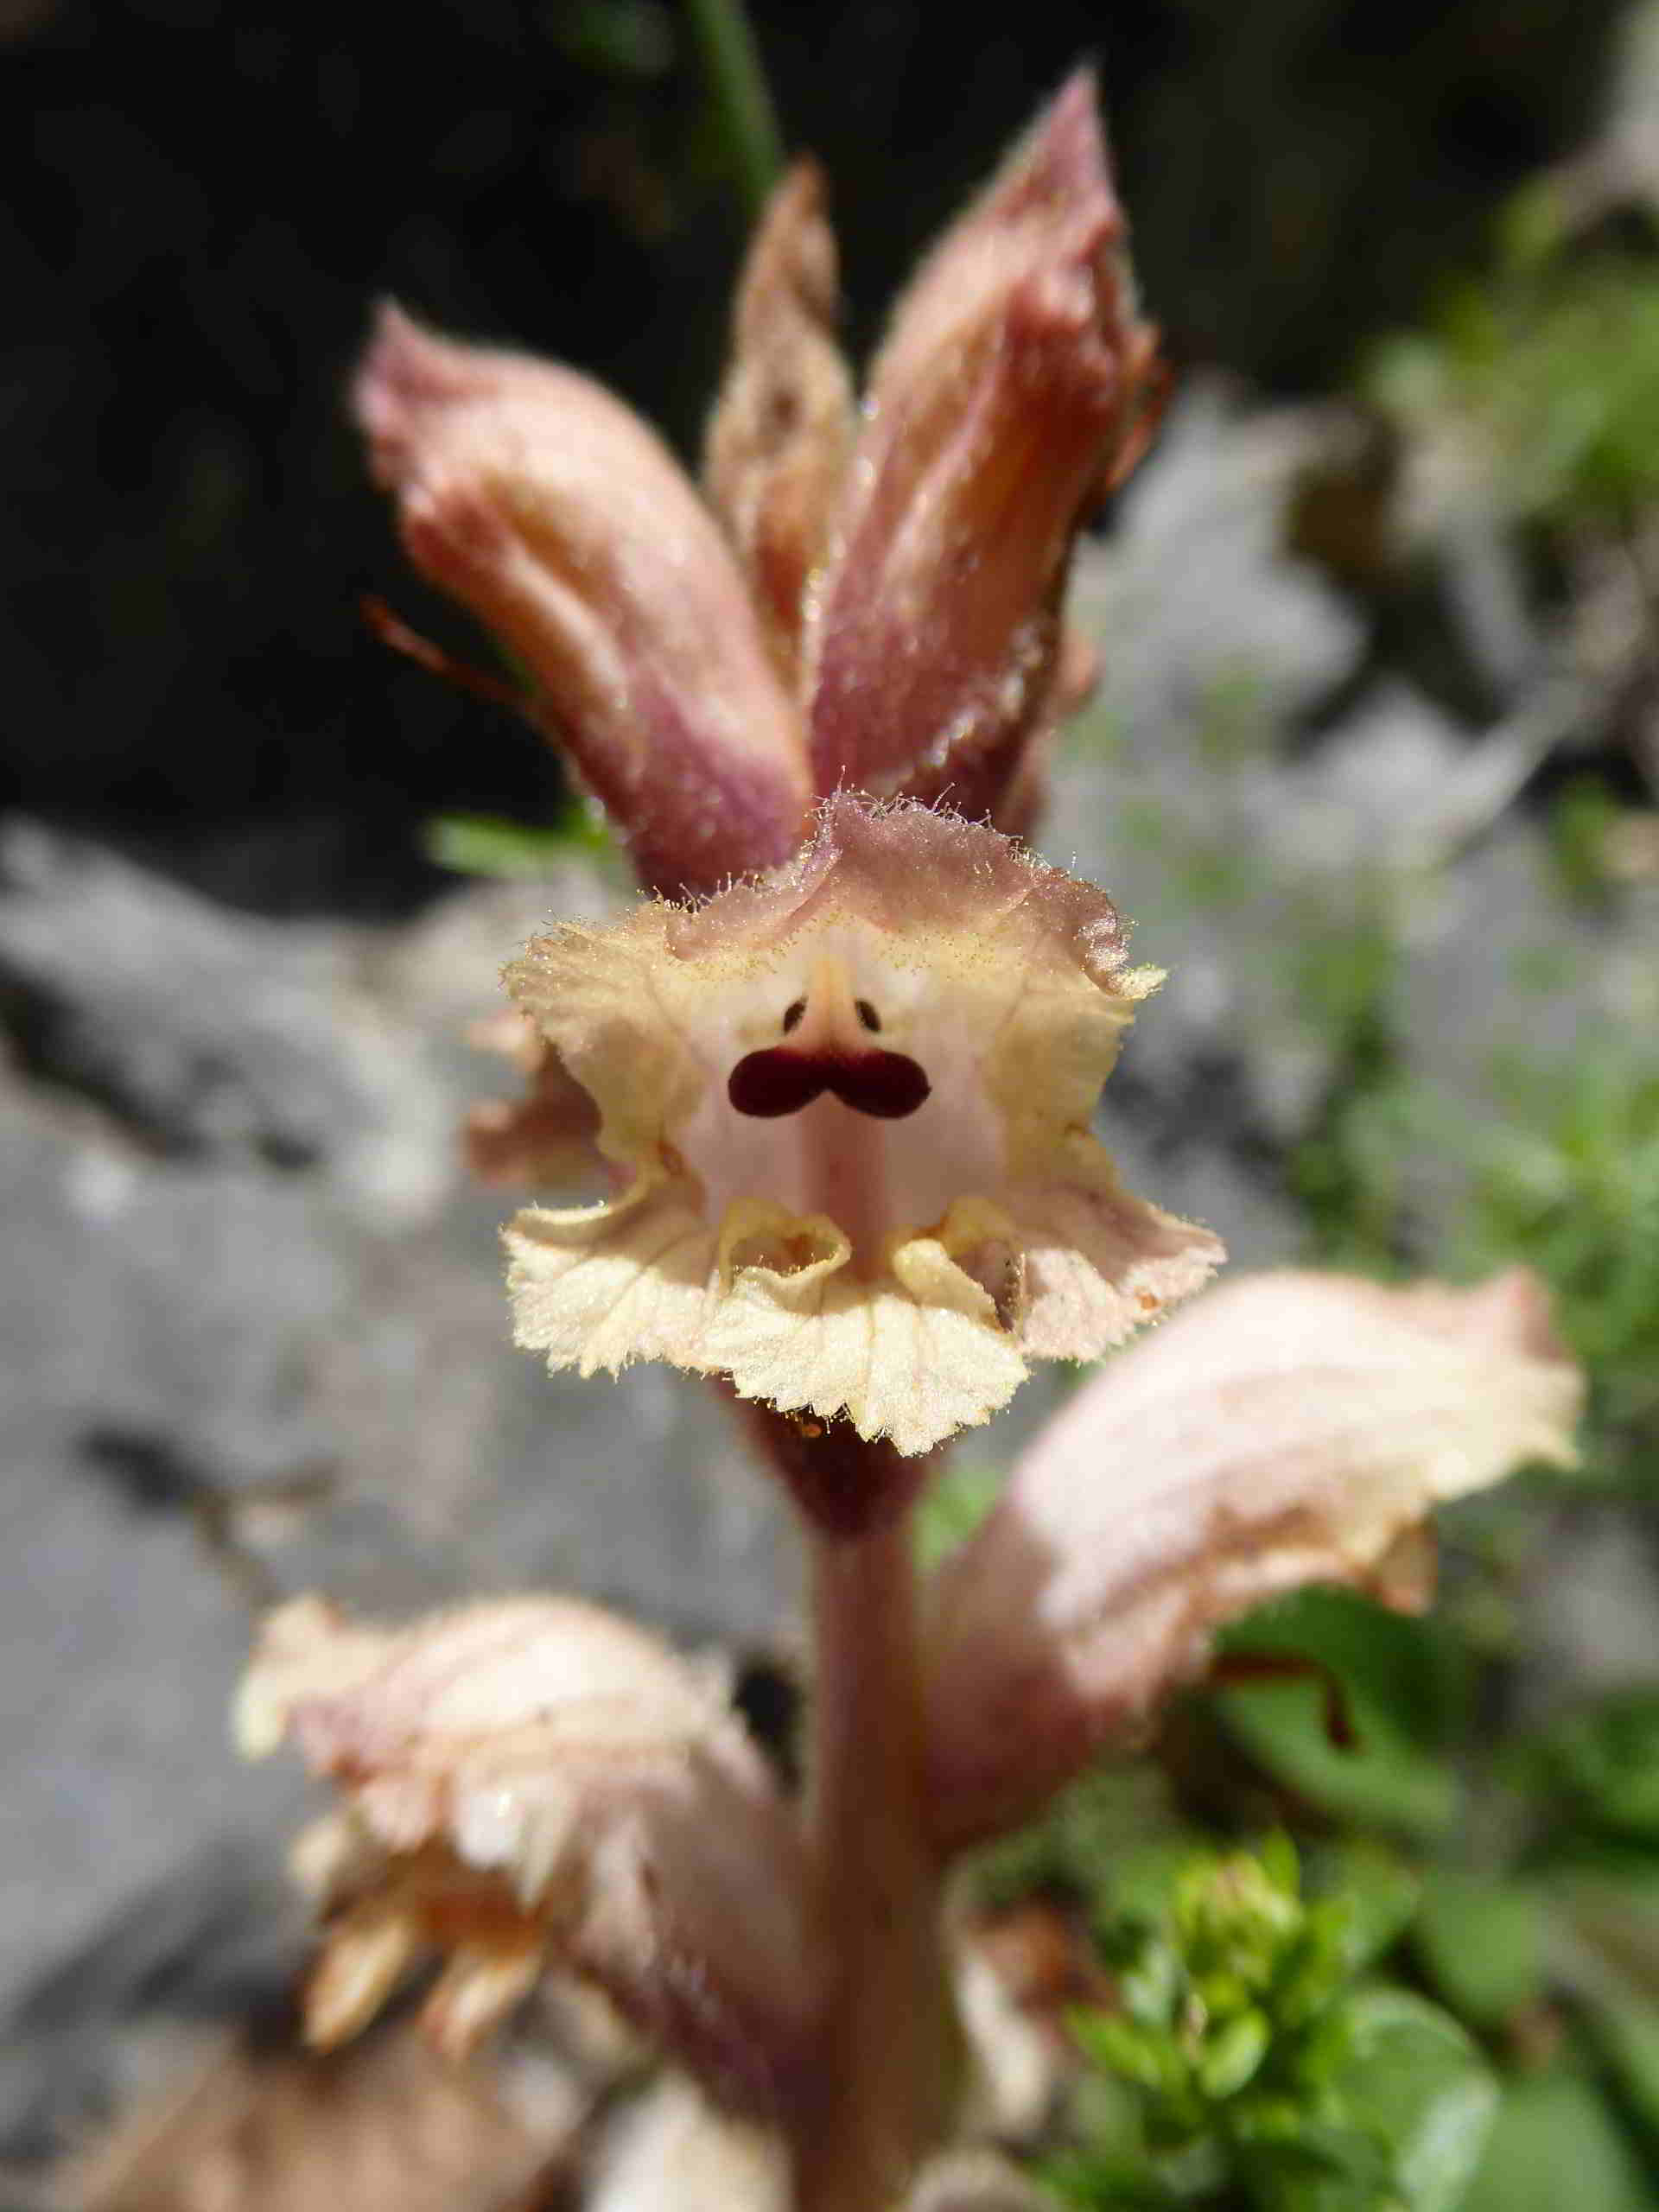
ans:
x=781 y=1081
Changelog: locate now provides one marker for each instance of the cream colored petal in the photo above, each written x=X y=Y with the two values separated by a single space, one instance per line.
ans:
x=672 y=2153
x=913 y=871
x=914 y=1356
x=306 y=1648
x=1099 y=1262
x=1286 y=1429
x=602 y=998
x=595 y=1287
x=475 y=1992
x=363 y=1959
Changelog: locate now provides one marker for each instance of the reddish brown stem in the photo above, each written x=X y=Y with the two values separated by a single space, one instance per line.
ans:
x=879 y=2094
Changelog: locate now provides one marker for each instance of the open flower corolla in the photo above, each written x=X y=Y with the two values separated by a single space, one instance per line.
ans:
x=847 y=1104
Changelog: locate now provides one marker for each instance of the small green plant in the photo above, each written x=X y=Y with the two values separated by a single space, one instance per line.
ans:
x=1570 y=1184
x=1551 y=360
x=1348 y=1173
x=1267 y=2070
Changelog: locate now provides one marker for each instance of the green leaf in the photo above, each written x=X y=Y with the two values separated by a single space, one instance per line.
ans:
x=1416 y=2076
x=1402 y=1684
x=1232 y=2055
x=1374 y=1895
x=1483 y=1944
x=1417 y=2089
x=1627 y=2036
x=1606 y=1949
x=1604 y=1763
x=1556 y=2144
x=1147 y=2056
x=483 y=844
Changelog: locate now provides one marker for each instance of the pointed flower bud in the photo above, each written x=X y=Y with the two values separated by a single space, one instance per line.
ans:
x=892 y=620
x=781 y=436
x=1018 y=383
x=847 y=1104
x=565 y=525
x=530 y=1782
x=1286 y=1429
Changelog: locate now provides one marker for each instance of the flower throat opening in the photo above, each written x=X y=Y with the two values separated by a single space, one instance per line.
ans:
x=827 y=1030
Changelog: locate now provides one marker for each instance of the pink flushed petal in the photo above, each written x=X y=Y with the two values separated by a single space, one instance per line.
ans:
x=1011 y=391
x=906 y=868
x=545 y=1139
x=1285 y=1429
x=782 y=432
x=534 y=1778
x=565 y=525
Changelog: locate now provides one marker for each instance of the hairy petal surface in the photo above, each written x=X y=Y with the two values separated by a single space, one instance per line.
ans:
x=566 y=525
x=1015 y=386
x=534 y=1781
x=1286 y=1429
x=781 y=433
x=850 y=1103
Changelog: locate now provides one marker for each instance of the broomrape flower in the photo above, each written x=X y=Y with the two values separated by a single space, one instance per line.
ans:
x=1285 y=1429
x=845 y=1101
x=533 y=1783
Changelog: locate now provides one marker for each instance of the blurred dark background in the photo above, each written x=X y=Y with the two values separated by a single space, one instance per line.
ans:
x=199 y=201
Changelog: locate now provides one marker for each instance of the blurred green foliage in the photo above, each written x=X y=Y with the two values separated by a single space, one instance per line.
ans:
x=1548 y=362
x=482 y=844
x=1269 y=2069
x=1569 y=1183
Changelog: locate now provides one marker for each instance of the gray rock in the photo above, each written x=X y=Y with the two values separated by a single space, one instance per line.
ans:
x=253 y=1340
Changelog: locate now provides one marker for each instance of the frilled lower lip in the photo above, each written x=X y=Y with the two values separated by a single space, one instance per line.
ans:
x=780 y=1080
x=936 y=1338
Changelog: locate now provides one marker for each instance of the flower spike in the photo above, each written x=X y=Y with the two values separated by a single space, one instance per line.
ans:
x=1017 y=385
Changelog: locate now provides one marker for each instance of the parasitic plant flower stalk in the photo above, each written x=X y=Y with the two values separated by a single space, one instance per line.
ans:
x=844 y=1098
x=834 y=1084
